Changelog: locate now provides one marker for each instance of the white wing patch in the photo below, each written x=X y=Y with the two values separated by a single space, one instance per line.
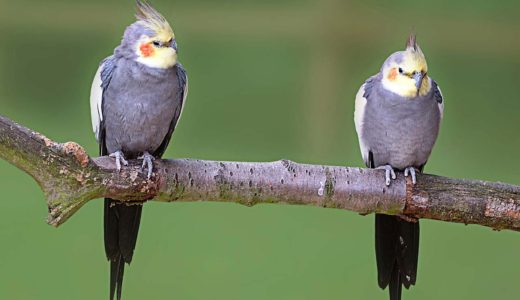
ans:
x=441 y=105
x=184 y=97
x=96 y=99
x=359 y=114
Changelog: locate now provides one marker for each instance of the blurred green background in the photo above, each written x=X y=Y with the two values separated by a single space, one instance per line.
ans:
x=268 y=80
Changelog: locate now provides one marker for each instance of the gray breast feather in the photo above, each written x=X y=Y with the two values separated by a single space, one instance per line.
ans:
x=398 y=131
x=183 y=90
x=141 y=108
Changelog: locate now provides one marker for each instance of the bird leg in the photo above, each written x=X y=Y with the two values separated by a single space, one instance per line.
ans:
x=389 y=173
x=120 y=158
x=411 y=171
x=147 y=161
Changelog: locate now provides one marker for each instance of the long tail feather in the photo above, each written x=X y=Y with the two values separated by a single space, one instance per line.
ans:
x=394 y=287
x=397 y=252
x=121 y=229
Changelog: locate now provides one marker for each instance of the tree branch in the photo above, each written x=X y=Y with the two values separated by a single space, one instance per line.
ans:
x=69 y=178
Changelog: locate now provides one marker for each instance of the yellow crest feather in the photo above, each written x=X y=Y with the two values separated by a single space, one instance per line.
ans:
x=152 y=19
x=414 y=56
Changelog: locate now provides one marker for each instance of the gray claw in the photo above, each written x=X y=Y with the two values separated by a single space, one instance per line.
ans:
x=389 y=173
x=147 y=162
x=120 y=158
x=411 y=171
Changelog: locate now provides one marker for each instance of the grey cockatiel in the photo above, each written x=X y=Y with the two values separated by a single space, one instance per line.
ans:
x=397 y=117
x=136 y=101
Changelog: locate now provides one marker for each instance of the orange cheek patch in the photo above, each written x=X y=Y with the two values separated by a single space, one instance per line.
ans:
x=392 y=74
x=146 y=50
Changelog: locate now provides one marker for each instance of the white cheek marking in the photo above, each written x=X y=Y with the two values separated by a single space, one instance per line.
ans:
x=401 y=86
x=162 y=59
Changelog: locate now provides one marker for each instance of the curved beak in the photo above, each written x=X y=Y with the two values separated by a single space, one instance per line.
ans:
x=418 y=77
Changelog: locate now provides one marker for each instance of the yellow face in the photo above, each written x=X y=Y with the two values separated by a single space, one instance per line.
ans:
x=408 y=78
x=157 y=51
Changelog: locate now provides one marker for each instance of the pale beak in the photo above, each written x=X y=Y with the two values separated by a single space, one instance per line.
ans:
x=418 y=77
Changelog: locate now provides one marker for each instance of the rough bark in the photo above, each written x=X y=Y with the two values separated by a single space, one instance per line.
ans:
x=69 y=178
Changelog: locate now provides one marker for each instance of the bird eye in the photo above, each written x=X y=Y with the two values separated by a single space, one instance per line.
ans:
x=401 y=70
x=156 y=43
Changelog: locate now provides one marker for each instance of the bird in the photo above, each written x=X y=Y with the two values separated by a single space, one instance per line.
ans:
x=397 y=118
x=136 y=101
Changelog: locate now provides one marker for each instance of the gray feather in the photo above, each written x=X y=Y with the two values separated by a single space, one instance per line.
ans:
x=139 y=107
x=399 y=131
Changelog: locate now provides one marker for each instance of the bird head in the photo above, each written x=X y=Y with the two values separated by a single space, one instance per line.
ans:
x=405 y=72
x=150 y=39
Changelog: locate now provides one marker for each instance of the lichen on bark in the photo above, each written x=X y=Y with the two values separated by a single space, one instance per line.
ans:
x=69 y=178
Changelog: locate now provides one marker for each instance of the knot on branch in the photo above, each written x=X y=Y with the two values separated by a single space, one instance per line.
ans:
x=508 y=209
x=74 y=149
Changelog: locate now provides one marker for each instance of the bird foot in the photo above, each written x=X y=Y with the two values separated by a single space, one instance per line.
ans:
x=389 y=173
x=147 y=162
x=120 y=158
x=410 y=171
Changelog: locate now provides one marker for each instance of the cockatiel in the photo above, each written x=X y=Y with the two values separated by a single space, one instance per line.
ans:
x=397 y=116
x=136 y=101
